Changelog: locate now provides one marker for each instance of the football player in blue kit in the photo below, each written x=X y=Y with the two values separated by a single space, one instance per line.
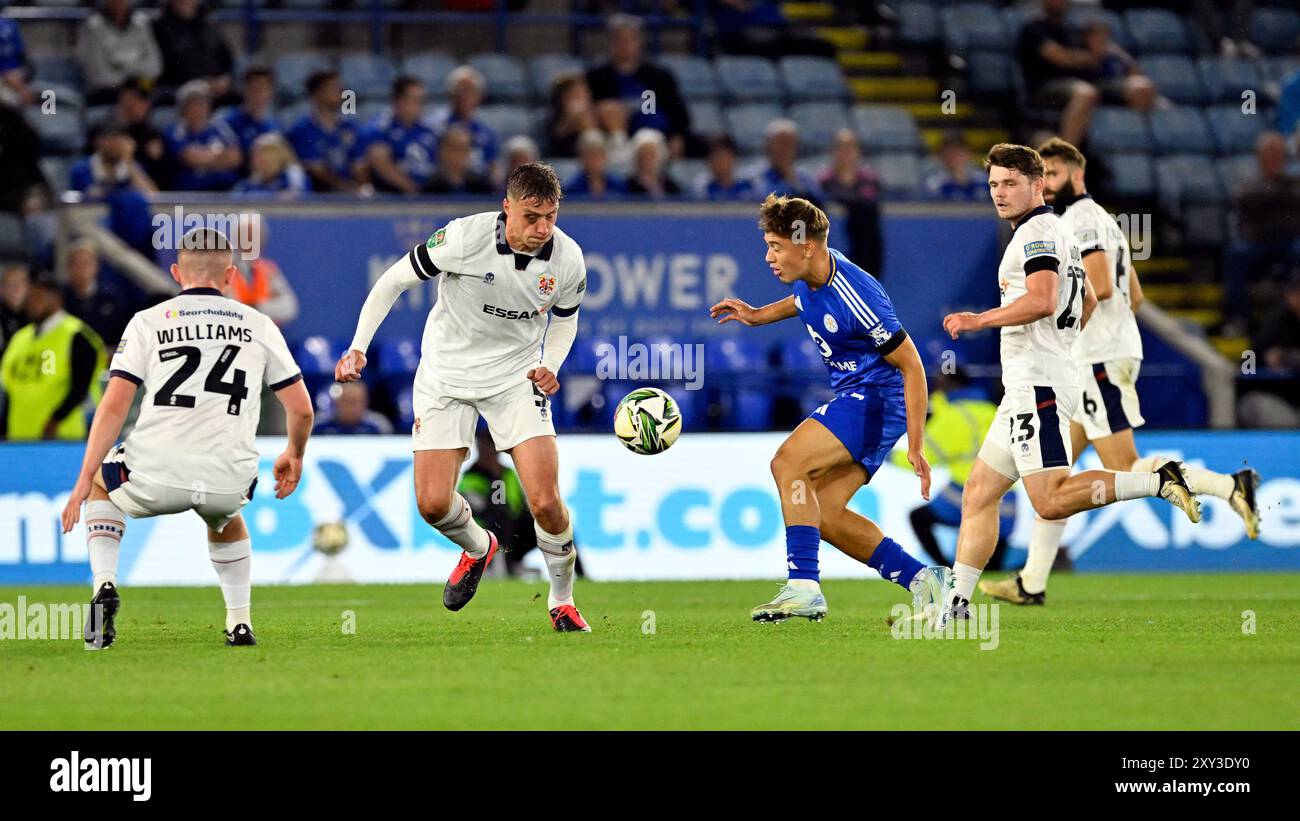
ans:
x=880 y=394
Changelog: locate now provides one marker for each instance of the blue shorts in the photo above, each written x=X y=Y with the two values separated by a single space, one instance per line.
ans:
x=868 y=421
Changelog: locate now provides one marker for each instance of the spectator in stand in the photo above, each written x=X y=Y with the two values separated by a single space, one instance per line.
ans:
x=398 y=150
x=85 y=297
x=1061 y=71
x=23 y=188
x=323 y=139
x=134 y=107
x=258 y=281
x=594 y=182
x=204 y=151
x=1276 y=402
x=519 y=150
x=957 y=180
x=115 y=44
x=1268 y=229
x=14 y=284
x=455 y=173
x=14 y=90
x=352 y=415
x=572 y=114
x=254 y=117
x=720 y=182
x=1233 y=42
x=1278 y=342
x=466 y=86
x=779 y=174
x=758 y=27
x=848 y=178
x=112 y=167
x=648 y=92
x=650 y=167
x=612 y=120
x=192 y=49
x=275 y=169
x=1288 y=109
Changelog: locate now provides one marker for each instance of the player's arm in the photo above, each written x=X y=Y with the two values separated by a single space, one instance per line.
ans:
x=916 y=395
x=746 y=314
x=561 y=332
x=1135 y=295
x=299 y=418
x=1038 y=301
x=416 y=267
x=1096 y=264
x=104 y=430
x=1089 y=303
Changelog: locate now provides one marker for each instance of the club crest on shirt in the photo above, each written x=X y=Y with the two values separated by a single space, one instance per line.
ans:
x=437 y=238
x=545 y=284
x=489 y=278
x=1039 y=247
x=831 y=325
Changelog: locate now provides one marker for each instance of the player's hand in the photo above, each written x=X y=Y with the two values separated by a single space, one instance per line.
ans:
x=287 y=471
x=72 y=510
x=737 y=309
x=962 y=322
x=546 y=382
x=349 y=367
x=922 y=469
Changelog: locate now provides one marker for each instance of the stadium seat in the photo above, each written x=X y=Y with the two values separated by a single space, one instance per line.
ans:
x=746 y=122
x=291 y=114
x=565 y=168
x=1235 y=170
x=1205 y=225
x=1080 y=17
x=1225 y=79
x=370 y=111
x=61 y=131
x=974 y=26
x=13 y=238
x=735 y=354
x=317 y=356
x=748 y=79
x=1176 y=77
x=57 y=171
x=508 y=120
x=292 y=71
x=369 y=75
x=1187 y=178
x=990 y=73
x=1119 y=129
x=1279 y=68
x=695 y=77
x=432 y=67
x=1133 y=176
x=918 y=23
x=813 y=78
x=1275 y=29
x=686 y=172
x=900 y=174
x=399 y=357
x=506 y=80
x=706 y=119
x=1014 y=18
x=799 y=354
x=56 y=68
x=1181 y=130
x=1158 y=31
x=304 y=4
x=64 y=96
x=818 y=124
x=1234 y=132
x=545 y=68
x=885 y=128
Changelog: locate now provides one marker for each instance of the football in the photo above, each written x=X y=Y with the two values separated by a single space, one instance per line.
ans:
x=647 y=421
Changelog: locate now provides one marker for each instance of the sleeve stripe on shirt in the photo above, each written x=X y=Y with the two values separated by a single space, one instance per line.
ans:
x=847 y=290
x=564 y=312
x=1085 y=252
x=1043 y=263
x=284 y=383
x=854 y=303
x=423 y=265
x=127 y=375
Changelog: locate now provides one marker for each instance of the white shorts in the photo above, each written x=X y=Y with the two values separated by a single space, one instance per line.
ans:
x=140 y=498
x=446 y=416
x=1109 y=399
x=1031 y=431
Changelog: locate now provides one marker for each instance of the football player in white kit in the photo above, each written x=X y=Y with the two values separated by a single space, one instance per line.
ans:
x=509 y=287
x=1046 y=301
x=1108 y=354
x=201 y=359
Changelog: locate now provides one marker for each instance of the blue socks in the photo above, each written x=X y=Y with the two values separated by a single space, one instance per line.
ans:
x=801 y=545
x=891 y=562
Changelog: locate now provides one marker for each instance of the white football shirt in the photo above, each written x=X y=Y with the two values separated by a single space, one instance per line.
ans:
x=201 y=359
x=1039 y=353
x=488 y=324
x=1112 y=331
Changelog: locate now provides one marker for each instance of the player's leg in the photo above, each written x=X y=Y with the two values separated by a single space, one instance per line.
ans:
x=1237 y=489
x=105 y=527
x=977 y=537
x=231 y=551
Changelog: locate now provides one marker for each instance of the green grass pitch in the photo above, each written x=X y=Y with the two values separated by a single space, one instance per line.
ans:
x=1123 y=652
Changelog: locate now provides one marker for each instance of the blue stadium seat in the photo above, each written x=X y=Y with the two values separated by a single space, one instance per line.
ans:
x=403 y=399
x=1014 y=18
x=1236 y=170
x=747 y=121
x=1280 y=68
x=1176 y=77
x=57 y=171
x=292 y=71
x=432 y=67
x=974 y=26
x=288 y=115
x=799 y=354
x=818 y=124
x=369 y=111
x=1225 y=79
x=508 y=120
x=398 y=357
x=64 y=96
x=506 y=79
x=1119 y=129
x=565 y=168
x=1080 y=17
x=813 y=78
x=1132 y=176
x=1181 y=130
x=13 y=238
x=585 y=355
x=686 y=172
x=748 y=79
x=1234 y=132
x=317 y=356
x=706 y=119
x=885 y=128
x=991 y=73
x=1158 y=31
x=545 y=68
x=56 y=68
x=696 y=79
x=369 y=75
x=60 y=132
x=900 y=174
x=1187 y=178
x=1275 y=29
x=918 y=23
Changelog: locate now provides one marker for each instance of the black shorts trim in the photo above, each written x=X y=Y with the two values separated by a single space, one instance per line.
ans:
x=1113 y=398
x=115 y=475
x=1050 y=444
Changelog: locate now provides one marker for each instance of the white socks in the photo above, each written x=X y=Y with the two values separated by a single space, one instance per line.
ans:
x=1200 y=480
x=561 y=556
x=233 y=562
x=1044 y=542
x=460 y=527
x=105 y=527
x=805 y=584
x=966 y=577
x=1136 y=485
